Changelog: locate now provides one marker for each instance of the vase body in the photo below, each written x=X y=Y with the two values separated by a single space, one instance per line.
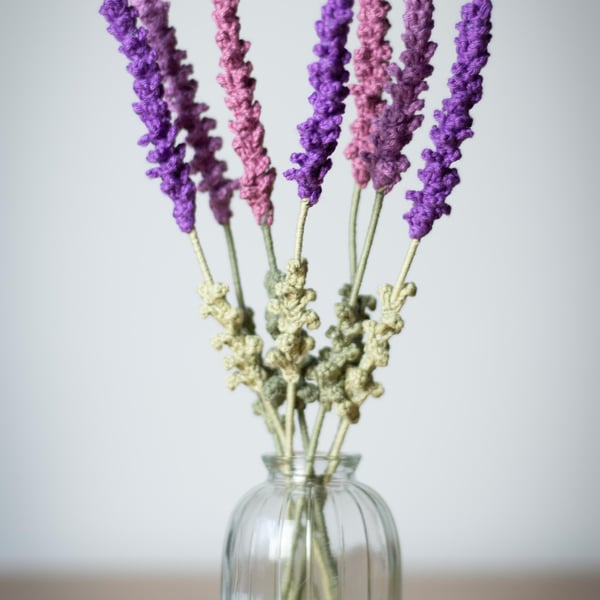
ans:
x=311 y=532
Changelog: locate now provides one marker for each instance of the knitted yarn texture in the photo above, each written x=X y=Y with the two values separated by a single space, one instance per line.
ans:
x=319 y=133
x=397 y=121
x=371 y=62
x=256 y=184
x=179 y=92
x=454 y=120
x=153 y=111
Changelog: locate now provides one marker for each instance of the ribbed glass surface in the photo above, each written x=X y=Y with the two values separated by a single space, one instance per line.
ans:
x=311 y=534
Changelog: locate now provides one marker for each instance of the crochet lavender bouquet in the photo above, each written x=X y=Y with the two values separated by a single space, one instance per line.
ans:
x=291 y=379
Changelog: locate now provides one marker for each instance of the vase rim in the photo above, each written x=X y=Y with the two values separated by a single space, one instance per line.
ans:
x=296 y=465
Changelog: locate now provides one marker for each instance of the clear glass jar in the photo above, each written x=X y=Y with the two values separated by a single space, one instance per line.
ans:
x=311 y=532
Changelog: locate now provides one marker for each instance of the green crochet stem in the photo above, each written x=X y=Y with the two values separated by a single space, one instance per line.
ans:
x=199 y=253
x=268 y=240
x=352 y=230
x=300 y=229
x=235 y=268
x=410 y=255
x=368 y=245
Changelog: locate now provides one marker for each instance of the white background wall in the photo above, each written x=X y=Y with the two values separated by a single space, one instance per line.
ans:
x=119 y=445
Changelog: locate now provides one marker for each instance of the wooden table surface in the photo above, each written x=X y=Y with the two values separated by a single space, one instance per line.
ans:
x=180 y=587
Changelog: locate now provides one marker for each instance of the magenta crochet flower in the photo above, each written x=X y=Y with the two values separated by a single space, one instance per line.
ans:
x=179 y=92
x=371 y=62
x=256 y=185
x=319 y=134
x=153 y=111
x=454 y=120
x=397 y=121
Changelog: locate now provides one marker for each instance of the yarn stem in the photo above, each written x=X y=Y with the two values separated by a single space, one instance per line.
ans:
x=273 y=422
x=200 y=255
x=314 y=440
x=362 y=265
x=303 y=428
x=268 y=239
x=336 y=446
x=410 y=255
x=300 y=229
x=289 y=419
x=235 y=269
x=352 y=229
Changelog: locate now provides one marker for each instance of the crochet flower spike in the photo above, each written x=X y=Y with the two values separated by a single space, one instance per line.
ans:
x=153 y=111
x=179 y=93
x=257 y=182
x=319 y=134
x=454 y=120
x=371 y=63
x=397 y=121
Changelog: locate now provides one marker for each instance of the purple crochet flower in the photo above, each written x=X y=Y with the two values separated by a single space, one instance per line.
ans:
x=319 y=134
x=179 y=93
x=397 y=121
x=153 y=111
x=454 y=120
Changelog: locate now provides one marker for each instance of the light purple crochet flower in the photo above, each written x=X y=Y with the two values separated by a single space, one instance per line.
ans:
x=454 y=120
x=397 y=121
x=179 y=93
x=153 y=111
x=319 y=134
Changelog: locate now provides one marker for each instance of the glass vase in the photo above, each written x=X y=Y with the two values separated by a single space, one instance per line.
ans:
x=311 y=532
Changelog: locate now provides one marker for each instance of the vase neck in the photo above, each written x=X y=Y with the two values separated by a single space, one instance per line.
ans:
x=298 y=468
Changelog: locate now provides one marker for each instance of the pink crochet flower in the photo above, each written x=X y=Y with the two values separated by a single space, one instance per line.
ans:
x=256 y=184
x=371 y=67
